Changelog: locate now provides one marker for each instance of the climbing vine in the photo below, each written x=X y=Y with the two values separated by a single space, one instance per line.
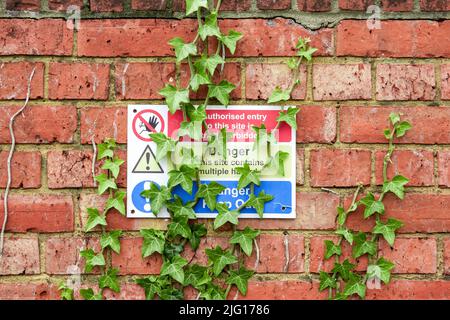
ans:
x=343 y=282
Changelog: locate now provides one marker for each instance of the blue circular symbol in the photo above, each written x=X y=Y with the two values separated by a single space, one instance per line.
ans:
x=139 y=202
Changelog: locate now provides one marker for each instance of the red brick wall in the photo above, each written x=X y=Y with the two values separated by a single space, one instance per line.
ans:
x=84 y=79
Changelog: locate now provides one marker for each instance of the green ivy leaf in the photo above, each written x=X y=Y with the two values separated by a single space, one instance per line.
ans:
x=151 y=286
x=66 y=293
x=182 y=49
x=109 y=280
x=230 y=40
x=174 y=268
x=343 y=269
x=355 y=286
x=94 y=219
x=245 y=239
x=240 y=279
x=194 y=5
x=92 y=259
x=221 y=91
x=276 y=163
x=219 y=142
x=212 y=62
x=247 y=176
x=179 y=227
x=190 y=129
x=363 y=246
x=372 y=205
x=198 y=230
x=387 y=229
x=112 y=240
x=225 y=215
x=105 y=183
x=174 y=97
x=332 y=249
x=153 y=241
x=164 y=145
x=209 y=193
x=184 y=177
x=220 y=259
x=106 y=149
x=89 y=294
x=196 y=113
x=113 y=166
x=342 y=216
x=117 y=202
x=289 y=116
x=381 y=270
x=402 y=128
x=387 y=134
x=210 y=27
x=196 y=276
x=198 y=79
x=172 y=249
x=307 y=53
x=258 y=202
x=395 y=118
x=278 y=95
x=292 y=63
x=213 y=292
x=171 y=293
x=347 y=234
x=326 y=281
x=396 y=186
x=179 y=208
x=157 y=196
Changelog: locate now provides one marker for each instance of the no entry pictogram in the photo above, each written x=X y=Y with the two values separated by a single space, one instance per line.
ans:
x=146 y=122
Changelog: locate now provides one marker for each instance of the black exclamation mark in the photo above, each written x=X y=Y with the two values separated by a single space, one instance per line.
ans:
x=147 y=157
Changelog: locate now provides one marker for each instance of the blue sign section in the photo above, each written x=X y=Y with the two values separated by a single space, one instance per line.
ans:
x=139 y=201
x=280 y=190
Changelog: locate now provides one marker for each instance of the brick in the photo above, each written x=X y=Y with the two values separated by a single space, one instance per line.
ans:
x=23 y=5
x=39 y=213
x=356 y=5
x=78 y=81
x=445 y=82
x=102 y=123
x=416 y=165
x=20 y=256
x=373 y=120
x=62 y=255
x=444 y=168
x=434 y=5
x=405 y=82
x=128 y=291
x=412 y=290
x=300 y=166
x=272 y=258
x=446 y=241
x=316 y=124
x=340 y=168
x=106 y=5
x=148 y=4
x=341 y=82
x=130 y=260
x=226 y=5
x=273 y=4
x=397 y=5
x=315 y=211
x=200 y=256
x=418 y=212
x=25 y=291
x=14 y=78
x=411 y=255
x=314 y=5
x=25 y=169
x=283 y=290
x=63 y=5
x=35 y=37
x=261 y=80
x=409 y=38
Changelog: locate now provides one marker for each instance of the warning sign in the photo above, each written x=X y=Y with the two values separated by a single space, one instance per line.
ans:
x=242 y=148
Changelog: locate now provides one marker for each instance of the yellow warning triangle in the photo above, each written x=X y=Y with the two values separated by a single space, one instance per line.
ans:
x=147 y=163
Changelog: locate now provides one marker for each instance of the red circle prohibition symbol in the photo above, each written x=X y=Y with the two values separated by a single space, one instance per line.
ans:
x=148 y=127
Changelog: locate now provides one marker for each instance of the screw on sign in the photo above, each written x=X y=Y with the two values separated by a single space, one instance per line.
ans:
x=146 y=122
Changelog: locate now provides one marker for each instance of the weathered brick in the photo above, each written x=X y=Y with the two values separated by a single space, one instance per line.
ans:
x=314 y=5
x=39 y=124
x=357 y=5
x=409 y=38
x=315 y=211
x=341 y=168
x=23 y=5
x=25 y=169
x=25 y=291
x=20 y=256
x=78 y=81
x=128 y=291
x=62 y=255
x=143 y=80
x=416 y=165
x=434 y=5
x=106 y=5
x=300 y=166
x=397 y=5
x=274 y=252
x=262 y=78
x=283 y=290
x=445 y=82
x=316 y=124
x=102 y=123
x=226 y=5
x=447 y=255
x=406 y=82
x=63 y=5
x=39 y=213
x=14 y=78
x=341 y=82
x=411 y=255
x=148 y=4
x=273 y=4
x=412 y=290
x=419 y=213
x=444 y=168
x=35 y=37
x=373 y=120
x=130 y=260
